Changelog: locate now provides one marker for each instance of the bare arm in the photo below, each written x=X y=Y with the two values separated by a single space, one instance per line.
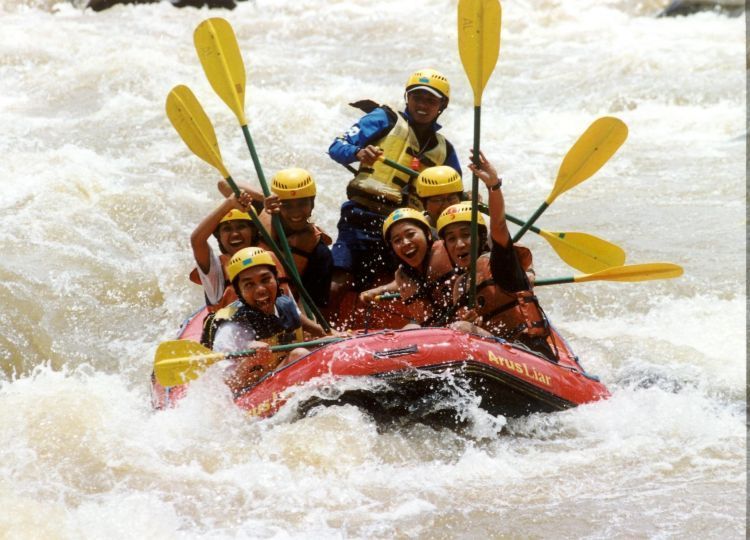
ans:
x=309 y=326
x=204 y=230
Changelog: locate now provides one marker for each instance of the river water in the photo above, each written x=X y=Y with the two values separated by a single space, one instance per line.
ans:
x=98 y=197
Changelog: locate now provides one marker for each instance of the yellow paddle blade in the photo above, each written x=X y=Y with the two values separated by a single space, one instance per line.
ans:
x=634 y=272
x=194 y=127
x=479 y=41
x=220 y=57
x=179 y=361
x=585 y=252
x=592 y=150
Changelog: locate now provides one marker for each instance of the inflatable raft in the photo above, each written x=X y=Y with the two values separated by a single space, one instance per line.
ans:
x=413 y=373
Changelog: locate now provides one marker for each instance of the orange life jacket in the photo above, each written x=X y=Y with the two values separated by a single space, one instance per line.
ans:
x=428 y=296
x=502 y=313
x=302 y=244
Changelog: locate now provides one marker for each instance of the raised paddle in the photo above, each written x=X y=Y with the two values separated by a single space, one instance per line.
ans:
x=592 y=150
x=179 y=361
x=219 y=54
x=479 y=47
x=584 y=252
x=192 y=124
x=631 y=272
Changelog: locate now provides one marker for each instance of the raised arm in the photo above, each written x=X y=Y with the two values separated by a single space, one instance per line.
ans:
x=207 y=226
x=487 y=174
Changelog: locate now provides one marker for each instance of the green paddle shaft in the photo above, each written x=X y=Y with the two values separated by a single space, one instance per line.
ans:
x=286 y=347
x=526 y=226
x=474 y=212
x=554 y=281
x=278 y=227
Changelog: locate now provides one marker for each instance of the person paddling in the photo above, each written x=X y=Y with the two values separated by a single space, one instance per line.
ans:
x=262 y=316
x=424 y=279
x=410 y=138
x=505 y=304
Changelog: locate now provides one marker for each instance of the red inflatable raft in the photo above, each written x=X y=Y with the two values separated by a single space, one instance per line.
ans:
x=413 y=373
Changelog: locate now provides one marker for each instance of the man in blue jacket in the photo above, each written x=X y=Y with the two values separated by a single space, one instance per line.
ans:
x=360 y=257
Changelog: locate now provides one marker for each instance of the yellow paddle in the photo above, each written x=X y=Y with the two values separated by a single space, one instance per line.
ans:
x=192 y=124
x=631 y=272
x=179 y=361
x=219 y=54
x=584 y=252
x=220 y=57
x=479 y=47
x=479 y=41
x=592 y=150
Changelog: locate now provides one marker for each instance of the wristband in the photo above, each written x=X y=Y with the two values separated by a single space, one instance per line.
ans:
x=496 y=186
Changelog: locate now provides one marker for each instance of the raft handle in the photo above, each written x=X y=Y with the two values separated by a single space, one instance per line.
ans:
x=390 y=353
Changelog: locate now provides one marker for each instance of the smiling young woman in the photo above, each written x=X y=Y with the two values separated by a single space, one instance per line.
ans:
x=424 y=278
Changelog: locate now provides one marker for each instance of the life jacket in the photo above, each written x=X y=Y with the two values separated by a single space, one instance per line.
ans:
x=276 y=329
x=302 y=244
x=502 y=313
x=382 y=188
x=230 y=295
x=428 y=295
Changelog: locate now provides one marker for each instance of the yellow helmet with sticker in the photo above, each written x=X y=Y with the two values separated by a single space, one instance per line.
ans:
x=431 y=80
x=458 y=213
x=439 y=180
x=234 y=214
x=293 y=184
x=248 y=258
x=401 y=214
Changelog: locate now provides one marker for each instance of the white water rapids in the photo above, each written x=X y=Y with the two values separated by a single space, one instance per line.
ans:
x=98 y=197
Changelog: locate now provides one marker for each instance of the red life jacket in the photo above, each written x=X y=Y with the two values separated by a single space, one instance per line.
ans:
x=502 y=313
x=428 y=296
x=302 y=244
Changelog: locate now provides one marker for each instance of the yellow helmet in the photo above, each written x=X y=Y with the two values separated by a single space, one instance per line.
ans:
x=401 y=214
x=430 y=80
x=293 y=184
x=458 y=213
x=232 y=215
x=438 y=180
x=247 y=258
x=235 y=214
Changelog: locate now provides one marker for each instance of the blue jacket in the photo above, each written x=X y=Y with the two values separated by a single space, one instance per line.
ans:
x=370 y=128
